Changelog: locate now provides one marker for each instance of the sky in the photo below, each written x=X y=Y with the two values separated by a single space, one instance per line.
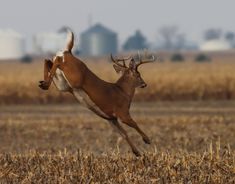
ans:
x=123 y=16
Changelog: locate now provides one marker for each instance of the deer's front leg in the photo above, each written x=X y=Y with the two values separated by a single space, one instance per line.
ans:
x=126 y=118
x=49 y=72
x=123 y=133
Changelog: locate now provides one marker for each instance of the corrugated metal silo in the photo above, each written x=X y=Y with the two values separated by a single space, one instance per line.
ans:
x=98 y=41
x=12 y=45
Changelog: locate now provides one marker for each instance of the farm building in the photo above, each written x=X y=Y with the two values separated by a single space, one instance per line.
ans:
x=135 y=42
x=49 y=42
x=97 y=41
x=12 y=45
x=215 y=45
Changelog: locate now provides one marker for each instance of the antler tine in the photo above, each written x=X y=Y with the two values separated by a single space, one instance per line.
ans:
x=115 y=61
x=139 y=55
x=118 y=60
x=145 y=60
x=127 y=58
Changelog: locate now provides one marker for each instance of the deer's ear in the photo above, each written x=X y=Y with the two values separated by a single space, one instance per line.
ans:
x=119 y=69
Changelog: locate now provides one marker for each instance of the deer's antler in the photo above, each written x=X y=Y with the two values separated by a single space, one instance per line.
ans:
x=143 y=61
x=116 y=61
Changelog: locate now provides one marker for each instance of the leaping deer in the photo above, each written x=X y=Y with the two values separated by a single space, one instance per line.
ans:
x=110 y=101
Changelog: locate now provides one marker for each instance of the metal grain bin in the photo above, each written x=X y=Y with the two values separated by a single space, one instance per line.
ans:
x=98 y=41
x=12 y=45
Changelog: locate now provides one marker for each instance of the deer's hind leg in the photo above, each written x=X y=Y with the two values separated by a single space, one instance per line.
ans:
x=47 y=68
x=49 y=72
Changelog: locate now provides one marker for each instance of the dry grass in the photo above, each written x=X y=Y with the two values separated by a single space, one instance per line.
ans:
x=166 y=81
x=191 y=143
x=154 y=167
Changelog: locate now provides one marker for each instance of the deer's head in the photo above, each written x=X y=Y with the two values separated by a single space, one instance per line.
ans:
x=130 y=73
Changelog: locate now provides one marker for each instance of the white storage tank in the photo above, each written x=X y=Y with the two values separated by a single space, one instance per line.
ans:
x=215 y=45
x=12 y=45
x=49 y=42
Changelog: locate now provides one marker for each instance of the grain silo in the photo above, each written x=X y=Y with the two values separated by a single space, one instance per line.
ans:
x=49 y=42
x=98 y=41
x=12 y=45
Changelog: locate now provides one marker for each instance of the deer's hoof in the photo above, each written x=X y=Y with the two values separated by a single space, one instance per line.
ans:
x=137 y=153
x=43 y=85
x=146 y=140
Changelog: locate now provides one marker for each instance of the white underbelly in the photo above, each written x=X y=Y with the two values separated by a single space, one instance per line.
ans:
x=60 y=81
x=62 y=84
x=85 y=100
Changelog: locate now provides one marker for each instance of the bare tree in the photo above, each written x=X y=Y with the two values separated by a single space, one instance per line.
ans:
x=168 y=35
x=230 y=36
x=180 y=41
x=212 y=34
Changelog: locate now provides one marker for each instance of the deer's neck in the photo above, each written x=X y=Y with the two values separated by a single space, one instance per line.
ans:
x=127 y=86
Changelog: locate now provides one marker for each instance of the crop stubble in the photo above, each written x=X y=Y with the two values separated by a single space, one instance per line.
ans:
x=191 y=142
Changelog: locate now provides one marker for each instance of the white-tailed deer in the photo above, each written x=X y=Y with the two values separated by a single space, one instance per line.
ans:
x=110 y=101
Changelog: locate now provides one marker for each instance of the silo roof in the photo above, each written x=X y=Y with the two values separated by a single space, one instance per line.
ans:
x=10 y=32
x=100 y=29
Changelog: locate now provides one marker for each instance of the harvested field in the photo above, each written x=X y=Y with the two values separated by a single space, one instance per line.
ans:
x=192 y=142
x=115 y=168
